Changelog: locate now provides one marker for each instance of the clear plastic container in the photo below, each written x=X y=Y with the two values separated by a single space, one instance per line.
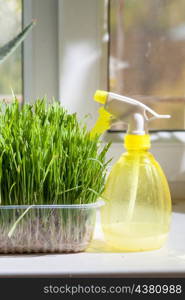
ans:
x=47 y=228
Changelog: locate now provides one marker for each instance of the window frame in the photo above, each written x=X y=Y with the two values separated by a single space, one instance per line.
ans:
x=168 y=147
x=79 y=31
x=40 y=50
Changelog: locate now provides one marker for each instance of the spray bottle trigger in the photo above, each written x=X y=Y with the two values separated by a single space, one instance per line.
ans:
x=103 y=123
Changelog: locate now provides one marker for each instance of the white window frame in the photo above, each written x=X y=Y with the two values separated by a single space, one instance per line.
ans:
x=40 y=50
x=66 y=27
x=82 y=55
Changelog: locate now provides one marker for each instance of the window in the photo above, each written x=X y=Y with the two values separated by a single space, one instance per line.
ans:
x=66 y=56
x=147 y=56
x=11 y=69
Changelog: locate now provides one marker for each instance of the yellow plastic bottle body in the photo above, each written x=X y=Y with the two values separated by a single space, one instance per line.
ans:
x=137 y=213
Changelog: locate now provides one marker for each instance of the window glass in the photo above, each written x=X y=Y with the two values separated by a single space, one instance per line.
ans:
x=147 y=56
x=11 y=69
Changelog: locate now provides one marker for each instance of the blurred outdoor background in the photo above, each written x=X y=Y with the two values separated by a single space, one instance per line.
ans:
x=147 y=56
x=11 y=69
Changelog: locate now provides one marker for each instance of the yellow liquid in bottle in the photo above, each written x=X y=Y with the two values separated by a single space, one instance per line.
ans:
x=134 y=236
x=137 y=211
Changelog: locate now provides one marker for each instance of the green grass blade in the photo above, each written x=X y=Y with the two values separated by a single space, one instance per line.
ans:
x=10 y=233
x=7 y=49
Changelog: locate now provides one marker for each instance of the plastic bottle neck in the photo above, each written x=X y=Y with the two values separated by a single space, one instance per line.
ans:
x=137 y=142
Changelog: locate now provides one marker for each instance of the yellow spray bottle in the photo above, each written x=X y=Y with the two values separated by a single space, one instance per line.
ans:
x=136 y=216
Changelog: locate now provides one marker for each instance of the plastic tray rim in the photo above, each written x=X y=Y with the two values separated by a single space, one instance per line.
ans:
x=56 y=206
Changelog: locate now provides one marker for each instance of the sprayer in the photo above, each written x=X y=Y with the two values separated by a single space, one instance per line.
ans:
x=137 y=213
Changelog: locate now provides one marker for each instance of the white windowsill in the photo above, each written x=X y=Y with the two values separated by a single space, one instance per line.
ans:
x=99 y=261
